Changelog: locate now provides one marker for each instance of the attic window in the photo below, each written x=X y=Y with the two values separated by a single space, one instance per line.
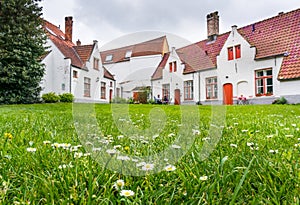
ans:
x=128 y=54
x=109 y=58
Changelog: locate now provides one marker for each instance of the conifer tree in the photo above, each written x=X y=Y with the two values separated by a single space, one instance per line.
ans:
x=22 y=41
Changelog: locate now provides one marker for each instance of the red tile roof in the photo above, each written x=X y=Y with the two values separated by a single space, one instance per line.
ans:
x=158 y=72
x=152 y=47
x=276 y=36
x=107 y=74
x=84 y=51
x=78 y=54
x=201 y=55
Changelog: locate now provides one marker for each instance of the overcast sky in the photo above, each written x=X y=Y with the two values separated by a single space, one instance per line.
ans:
x=108 y=20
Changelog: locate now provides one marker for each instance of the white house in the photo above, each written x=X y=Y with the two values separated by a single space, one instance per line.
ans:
x=132 y=66
x=75 y=69
x=259 y=61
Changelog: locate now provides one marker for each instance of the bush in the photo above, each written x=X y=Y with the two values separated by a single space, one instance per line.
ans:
x=50 y=97
x=119 y=100
x=280 y=101
x=66 y=97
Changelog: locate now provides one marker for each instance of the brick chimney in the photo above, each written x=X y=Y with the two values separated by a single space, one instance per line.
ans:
x=212 y=25
x=78 y=43
x=68 y=28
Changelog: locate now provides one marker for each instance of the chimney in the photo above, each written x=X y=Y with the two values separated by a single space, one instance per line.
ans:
x=68 y=28
x=212 y=25
x=78 y=43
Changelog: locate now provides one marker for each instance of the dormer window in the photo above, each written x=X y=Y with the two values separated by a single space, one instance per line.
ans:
x=109 y=58
x=128 y=54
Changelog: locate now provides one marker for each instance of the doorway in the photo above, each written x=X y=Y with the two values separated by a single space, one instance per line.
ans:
x=227 y=94
x=177 y=97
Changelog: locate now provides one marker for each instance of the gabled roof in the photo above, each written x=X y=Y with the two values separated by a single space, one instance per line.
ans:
x=201 y=55
x=84 y=51
x=158 y=72
x=107 y=74
x=78 y=54
x=151 y=47
x=275 y=36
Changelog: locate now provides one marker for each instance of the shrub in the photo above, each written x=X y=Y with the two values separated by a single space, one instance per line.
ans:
x=50 y=97
x=119 y=100
x=281 y=101
x=66 y=97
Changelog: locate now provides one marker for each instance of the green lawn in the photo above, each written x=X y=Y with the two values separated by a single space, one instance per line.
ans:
x=54 y=154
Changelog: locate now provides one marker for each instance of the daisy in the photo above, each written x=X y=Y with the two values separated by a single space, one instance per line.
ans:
x=119 y=184
x=123 y=158
x=30 y=149
x=176 y=146
x=270 y=136
x=233 y=145
x=148 y=167
x=117 y=146
x=46 y=142
x=203 y=178
x=111 y=151
x=170 y=168
x=289 y=135
x=96 y=149
x=273 y=151
x=127 y=193
x=196 y=132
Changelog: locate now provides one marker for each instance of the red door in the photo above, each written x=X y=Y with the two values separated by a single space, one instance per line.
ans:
x=110 y=95
x=227 y=94
x=177 y=97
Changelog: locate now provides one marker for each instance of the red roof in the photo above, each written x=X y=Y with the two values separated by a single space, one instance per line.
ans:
x=201 y=55
x=278 y=35
x=152 y=47
x=158 y=72
x=78 y=54
x=107 y=74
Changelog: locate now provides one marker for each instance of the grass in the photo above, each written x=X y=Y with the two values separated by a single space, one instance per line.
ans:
x=256 y=160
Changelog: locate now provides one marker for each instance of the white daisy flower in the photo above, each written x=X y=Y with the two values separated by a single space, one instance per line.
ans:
x=119 y=184
x=170 y=168
x=123 y=158
x=203 y=178
x=111 y=151
x=148 y=167
x=233 y=145
x=31 y=149
x=127 y=193
x=273 y=151
x=176 y=146
x=46 y=142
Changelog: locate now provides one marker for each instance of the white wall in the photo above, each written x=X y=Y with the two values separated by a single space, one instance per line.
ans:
x=57 y=72
x=134 y=73
x=241 y=72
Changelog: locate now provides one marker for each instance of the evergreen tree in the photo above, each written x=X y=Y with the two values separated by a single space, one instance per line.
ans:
x=22 y=41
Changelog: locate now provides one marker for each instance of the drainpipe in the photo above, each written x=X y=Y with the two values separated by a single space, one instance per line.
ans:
x=199 y=98
x=71 y=79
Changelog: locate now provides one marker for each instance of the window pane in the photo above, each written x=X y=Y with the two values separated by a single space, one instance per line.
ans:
x=259 y=73
x=269 y=72
x=269 y=81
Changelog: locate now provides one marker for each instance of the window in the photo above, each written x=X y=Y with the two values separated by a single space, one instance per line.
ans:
x=63 y=87
x=230 y=53
x=166 y=90
x=211 y=88
x=110 y=84
x=103 y=90
x=75 y=74
x=128 y=54
x=96 y=63
x=170 y=67
x=109 y=58
x=237 y=51
x=87 y=87
x=188 y=90
x=173 y=66
x=264 y=82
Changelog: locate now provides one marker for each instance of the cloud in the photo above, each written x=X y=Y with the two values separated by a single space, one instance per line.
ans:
x=106 y=20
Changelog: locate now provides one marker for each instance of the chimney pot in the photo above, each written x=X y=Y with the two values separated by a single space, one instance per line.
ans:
x=78 y=43
x=68 y=28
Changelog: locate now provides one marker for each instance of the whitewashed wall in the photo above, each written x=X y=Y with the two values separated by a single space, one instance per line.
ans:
x=57 y=72
x=134 y=73
x=241 y=72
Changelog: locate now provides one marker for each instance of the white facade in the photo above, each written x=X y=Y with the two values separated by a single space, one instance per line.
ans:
x=134 y=73
x=84 y=83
